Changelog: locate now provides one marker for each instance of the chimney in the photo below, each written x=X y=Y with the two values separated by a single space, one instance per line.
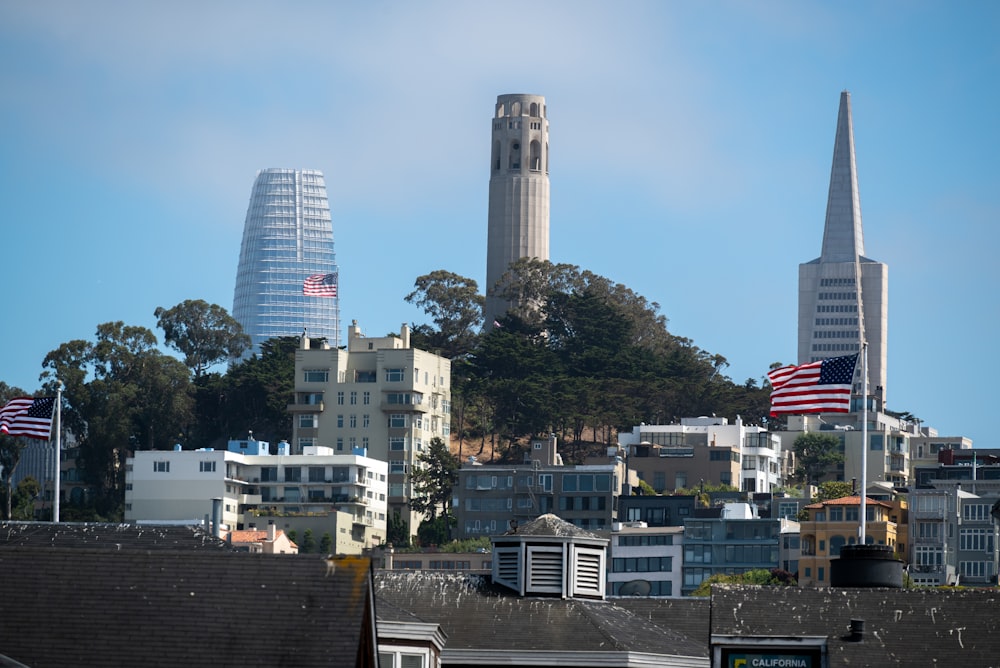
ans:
x=271 y=531
x=217 y=517
x=857 y=631
x=404 y=334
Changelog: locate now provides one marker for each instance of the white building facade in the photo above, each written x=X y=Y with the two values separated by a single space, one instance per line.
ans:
x=645 y=561
x=250 y=484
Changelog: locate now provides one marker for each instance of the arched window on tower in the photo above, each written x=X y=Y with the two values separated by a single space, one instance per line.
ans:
x=534 y=110
x=500 y=110
x=515 y=108
x=536 y=156
x=496 y=155
x=546 y=157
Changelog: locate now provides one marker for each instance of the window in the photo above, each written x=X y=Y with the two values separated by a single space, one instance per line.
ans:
x=976 y=512
x=316 y=375
x=293 y=474
x=340 y=422
x=366 y=397
x=976 y=539
x=340 y=398
x=340 y=443
x=397 y=420
x=307 y=421
x=354 y=398
x=206 y=467
x=545 y=481
x=268 y=473
x=365 y=420
x=397 y=443
x=161 y=467
x=394 y=375
x=317 y=474
x=397 y=466
x=353 y=421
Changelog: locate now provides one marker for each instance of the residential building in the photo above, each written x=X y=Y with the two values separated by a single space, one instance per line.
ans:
x=888 y=449
x=645 y=561
x=287 y=237
x=377 y=395
x=518 y=225
x=269 y=541
x=843 y=295
x=953 y=520
x=736 y=542
x=341 y=494
x=657 y=511
x=434 y=560
x=495 y=498
x=832 y=524
x=704 y=450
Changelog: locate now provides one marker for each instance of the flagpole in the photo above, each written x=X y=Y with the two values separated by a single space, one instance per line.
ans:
x=55 y=496
x=864 y=441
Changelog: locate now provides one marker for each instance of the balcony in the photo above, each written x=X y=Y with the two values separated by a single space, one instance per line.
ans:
x=249 y=499
x=306 y=408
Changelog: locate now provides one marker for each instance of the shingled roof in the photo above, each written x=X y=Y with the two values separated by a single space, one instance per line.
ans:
x=482 y=620
x=107 y=536
x=93 y=606
x=902 y=627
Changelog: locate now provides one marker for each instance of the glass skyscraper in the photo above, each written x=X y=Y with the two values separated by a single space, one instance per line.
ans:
x=287 y=237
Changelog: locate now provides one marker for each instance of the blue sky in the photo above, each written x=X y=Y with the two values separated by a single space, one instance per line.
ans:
x=691 y=145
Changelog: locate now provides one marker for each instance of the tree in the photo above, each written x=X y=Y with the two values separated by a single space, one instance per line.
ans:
x=816 y=453
x=757 y=576
x=204 y=332
x=834 y=489
x=326 y=543
x=10 y=448
x=454 y=304
x=24 y=499
x=397 y=533
x=121 y=394
x=308 y=542
x=433 y=478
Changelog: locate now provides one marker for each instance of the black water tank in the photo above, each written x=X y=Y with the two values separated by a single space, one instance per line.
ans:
x=866 y=566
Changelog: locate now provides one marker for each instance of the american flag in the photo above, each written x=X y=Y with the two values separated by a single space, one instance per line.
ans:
x=817 y=387
x=320 y=285
x=29 y=417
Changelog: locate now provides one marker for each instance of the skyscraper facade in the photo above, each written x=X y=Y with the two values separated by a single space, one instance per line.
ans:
x=519 y=191
x=287 y=238
x=843 y=295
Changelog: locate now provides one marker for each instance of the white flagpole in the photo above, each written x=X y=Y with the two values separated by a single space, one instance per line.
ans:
x=58 y=457
x=864 y=441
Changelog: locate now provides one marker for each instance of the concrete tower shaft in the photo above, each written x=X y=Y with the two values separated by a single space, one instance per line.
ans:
x=519 y=190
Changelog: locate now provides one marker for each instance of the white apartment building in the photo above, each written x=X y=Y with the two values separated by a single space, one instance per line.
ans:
x=684 y=454
x=645 y=561
x=378 y=396
x=343 y=494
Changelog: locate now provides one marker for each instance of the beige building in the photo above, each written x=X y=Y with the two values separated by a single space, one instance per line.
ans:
x=518 y=224
x=835 y=523
x=378 y=396
x=268 y=541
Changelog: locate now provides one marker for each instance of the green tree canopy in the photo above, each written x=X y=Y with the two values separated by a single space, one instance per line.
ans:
x=433 y=478
x=815 y=454
x=455 y=306
x=205 y=333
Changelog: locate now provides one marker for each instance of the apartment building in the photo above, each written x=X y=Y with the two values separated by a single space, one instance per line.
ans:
x=492 y=499
x=832 y=524
x=379 y=395
x=645 y=561
x=735 y=542
x=704 y=450
x=341 y=494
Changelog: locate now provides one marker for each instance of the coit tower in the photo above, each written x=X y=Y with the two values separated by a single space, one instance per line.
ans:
x=519 y=191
